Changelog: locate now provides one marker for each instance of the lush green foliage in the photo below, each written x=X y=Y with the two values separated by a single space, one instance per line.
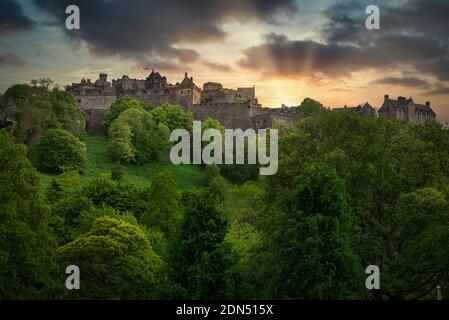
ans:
x=380 y=162
x=117 y=107
x=59 y=149
x=26 y=248
x=36 y=109
x=117 y=261
x=134 y=137
x=172 y=117
x=311 y=106
x=201 y=261
x=163 y=210
x=310 y=253
x=350 y=191
x=99 y=163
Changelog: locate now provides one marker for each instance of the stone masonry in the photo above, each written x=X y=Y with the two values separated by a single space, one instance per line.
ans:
x=232 y=108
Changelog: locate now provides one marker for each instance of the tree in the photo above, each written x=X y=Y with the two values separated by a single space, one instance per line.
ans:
x=116 y=260
x=66 y=217
x=163 y=198
x=117 y=107
x=58 y=149
x=45 y=82
x=67 y=113
x=202 y=263
x=117 y=173
x=26 y=247
x=310 y=105
x=54 y=191
x=417 y=258
x=211 y=123
x=310 y=255
x=120 y=142
x=31 y=109
x=36 y=109
x=379 y=161
x=3 y=111
x=173 y=117
x=246 y=214
x=134 y=137
x=119 y=196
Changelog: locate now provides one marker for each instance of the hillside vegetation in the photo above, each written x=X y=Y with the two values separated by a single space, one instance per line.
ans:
x=100 y=163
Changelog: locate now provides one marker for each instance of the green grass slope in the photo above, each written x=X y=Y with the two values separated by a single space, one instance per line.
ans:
x=98 y=163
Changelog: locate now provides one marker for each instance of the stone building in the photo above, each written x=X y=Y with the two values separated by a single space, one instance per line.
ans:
x=364 y=109
x=215 y=93
x=156 y=90
x=406 y=110
x=234 y=108
x=93 y=95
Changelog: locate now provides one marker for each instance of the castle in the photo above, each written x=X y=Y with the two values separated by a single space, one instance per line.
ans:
x=233 y=108
x=406 y=110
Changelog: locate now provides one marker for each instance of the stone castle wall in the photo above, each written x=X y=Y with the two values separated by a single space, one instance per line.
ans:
x=94 y=118
x=232 y=108
x=230 y=115
x=95 y=102
x=268 y=118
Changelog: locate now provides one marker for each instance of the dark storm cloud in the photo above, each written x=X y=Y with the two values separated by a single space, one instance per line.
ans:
x=158 y=28
x=346 y=20
x=12 y=17
x=222 y=67
x=413 y=35
x=439 y=91
x=437 y=67
x=299 y=59
x=10 y=59
x=406 y=81
x=280 y=56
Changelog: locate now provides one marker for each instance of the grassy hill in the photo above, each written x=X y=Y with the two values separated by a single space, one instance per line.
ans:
x=98 y=163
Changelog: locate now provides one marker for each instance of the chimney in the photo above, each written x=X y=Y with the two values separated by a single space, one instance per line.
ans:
x=386 y=97
x=428 y=104
x=186 y=75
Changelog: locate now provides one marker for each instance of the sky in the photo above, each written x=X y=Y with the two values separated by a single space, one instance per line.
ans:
x=288 y=49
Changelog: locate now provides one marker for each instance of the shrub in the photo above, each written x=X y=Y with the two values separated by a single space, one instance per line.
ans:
x=118 y=107
x=134 y=137
x=60 y=149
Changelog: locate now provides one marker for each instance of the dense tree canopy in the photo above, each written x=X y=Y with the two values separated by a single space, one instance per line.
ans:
x=37 y=109
x=380 y=161
x=116 y=260
x=163 y=212
x=201 y=261
x=26 y=247
x=117 y=107
x=134 y=137
x=60 y=149
x=311 y=106
x=173 y=117
x=310 y=249
x=350 y=191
